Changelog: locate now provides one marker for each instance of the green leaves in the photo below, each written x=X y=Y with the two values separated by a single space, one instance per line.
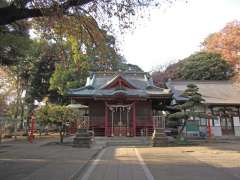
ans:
x=193 y=96
x=198 y=66
x=204 y=66
x=189 y=108
x=51 y=113
x=14 y=44
x=66 y=78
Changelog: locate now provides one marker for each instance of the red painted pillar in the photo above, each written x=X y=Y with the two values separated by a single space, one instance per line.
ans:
x=106 y=120
x=209 y=127
x=134 y=119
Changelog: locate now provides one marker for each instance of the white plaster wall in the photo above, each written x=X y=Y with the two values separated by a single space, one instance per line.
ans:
x=236 y=124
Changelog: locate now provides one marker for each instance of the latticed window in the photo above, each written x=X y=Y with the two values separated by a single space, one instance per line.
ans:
x=143 y=112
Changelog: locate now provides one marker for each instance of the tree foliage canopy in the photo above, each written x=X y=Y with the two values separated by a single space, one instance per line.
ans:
x=198 y=66
x=225 y=42
x=122 y=10
x=14 y=43
x=204 y=66
x=55 y=114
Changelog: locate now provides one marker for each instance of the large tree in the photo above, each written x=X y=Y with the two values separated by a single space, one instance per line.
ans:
x=22 y=9
x=204 y=66
x=198 y=66
x=75 y=19
x=14 y=43
x=226 y=42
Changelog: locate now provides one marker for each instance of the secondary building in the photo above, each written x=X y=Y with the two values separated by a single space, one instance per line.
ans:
x=222 y=105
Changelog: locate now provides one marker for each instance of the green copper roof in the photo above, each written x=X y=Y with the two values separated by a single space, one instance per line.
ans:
x=142 y=83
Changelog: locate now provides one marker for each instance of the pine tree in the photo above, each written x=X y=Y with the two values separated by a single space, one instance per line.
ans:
x=187 y=109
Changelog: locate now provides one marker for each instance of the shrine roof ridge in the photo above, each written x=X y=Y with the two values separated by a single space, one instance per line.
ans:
x=108 y=84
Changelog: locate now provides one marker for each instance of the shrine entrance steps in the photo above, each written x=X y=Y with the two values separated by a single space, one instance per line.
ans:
x=123 y=141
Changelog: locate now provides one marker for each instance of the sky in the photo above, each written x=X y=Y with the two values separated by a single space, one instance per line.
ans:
x=173 y=33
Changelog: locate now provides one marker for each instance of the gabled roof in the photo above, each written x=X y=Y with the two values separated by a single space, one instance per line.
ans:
x=213 y=92
x=136 y=85
x=115 y=82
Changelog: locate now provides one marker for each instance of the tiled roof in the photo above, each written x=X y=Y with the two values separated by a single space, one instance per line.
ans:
x=213 y=92
x=142 y=82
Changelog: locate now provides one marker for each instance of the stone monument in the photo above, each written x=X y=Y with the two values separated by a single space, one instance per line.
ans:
x=83 y=139
x=159 y=138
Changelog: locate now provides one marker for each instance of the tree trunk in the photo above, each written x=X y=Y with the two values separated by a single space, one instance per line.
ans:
x=61 y=136
x=22 y=115
x=29 y=115
x=181 y=130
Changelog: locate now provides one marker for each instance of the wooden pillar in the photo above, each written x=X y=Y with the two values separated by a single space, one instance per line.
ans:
x=151 y=114
x=134 y=119
x=106 y=120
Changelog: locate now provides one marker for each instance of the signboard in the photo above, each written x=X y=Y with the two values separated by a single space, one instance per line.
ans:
x=192 y=126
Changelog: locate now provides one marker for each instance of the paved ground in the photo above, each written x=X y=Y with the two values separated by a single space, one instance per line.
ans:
x=115 y=163
x=195 y=163
x=38 y=161
x=41 y=161
x=168 y=163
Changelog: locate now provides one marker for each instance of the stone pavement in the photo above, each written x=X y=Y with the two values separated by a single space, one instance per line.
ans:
x=42 y=160
x=116 y=163
x=193 y=163
x=167 y=163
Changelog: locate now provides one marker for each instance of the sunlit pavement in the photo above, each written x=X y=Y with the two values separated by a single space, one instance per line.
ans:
x=182 y=163
x=168 y=163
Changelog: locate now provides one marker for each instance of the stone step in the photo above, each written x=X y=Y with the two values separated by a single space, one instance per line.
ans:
x=123 y=141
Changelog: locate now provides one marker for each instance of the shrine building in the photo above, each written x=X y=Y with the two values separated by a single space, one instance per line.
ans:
x=122 y=103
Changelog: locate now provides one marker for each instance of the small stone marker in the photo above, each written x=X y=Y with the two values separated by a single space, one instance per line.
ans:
x=159 y=138
x=82 y=139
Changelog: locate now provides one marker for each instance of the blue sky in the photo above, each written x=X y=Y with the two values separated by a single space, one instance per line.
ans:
x=175 y=32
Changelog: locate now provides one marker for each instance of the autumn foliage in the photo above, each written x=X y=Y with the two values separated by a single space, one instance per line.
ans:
x=225 y=42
